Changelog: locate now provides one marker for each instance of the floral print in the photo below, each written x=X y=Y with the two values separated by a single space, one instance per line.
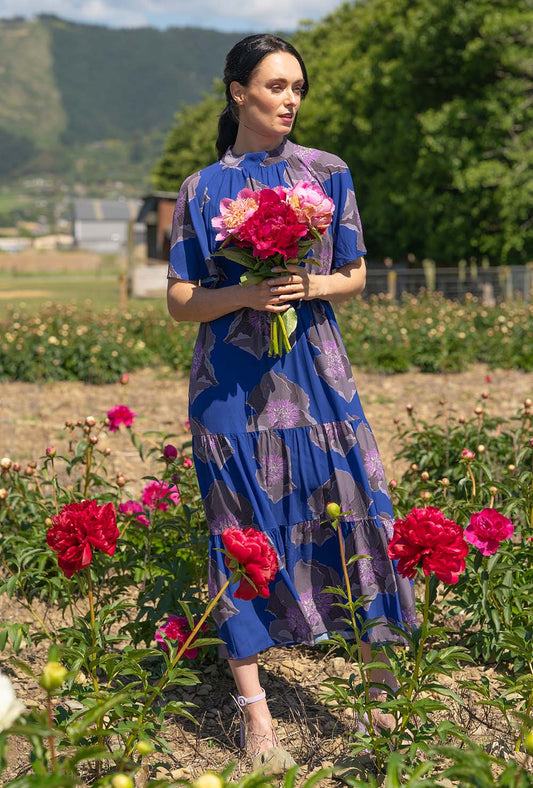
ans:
x=276 y=439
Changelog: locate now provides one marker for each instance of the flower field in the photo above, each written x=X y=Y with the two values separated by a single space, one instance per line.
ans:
x=67 y=342
x=105 y=637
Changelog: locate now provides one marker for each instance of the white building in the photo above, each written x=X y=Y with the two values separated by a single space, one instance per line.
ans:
x=102 y=225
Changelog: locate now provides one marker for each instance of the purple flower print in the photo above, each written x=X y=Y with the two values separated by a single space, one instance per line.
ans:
x=341 y=488
x=250 y=330
x=332 y=363
x=224 y=508
x=387 y=523
x=274 y=473
x=311 y=531
x=352 y=220
x=210 y=447
x=279 y=404
x=338 y=436
x=215 y=580
x=373 y=575
x=202 y=371
x=312 y=165
x=371 y=459
x=312 y=612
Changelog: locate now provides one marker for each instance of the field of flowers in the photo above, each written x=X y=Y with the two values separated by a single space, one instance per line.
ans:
x=116 y=636
x=428 y=333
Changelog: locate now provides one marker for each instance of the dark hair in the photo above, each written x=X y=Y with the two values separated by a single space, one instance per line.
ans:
x=240 y=63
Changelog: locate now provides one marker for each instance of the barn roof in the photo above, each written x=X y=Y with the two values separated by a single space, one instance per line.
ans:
x=105 y=210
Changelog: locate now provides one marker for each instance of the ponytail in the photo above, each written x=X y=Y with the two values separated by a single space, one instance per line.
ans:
x=227 y=130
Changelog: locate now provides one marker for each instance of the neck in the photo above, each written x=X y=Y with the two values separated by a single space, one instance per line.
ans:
x=250 y=141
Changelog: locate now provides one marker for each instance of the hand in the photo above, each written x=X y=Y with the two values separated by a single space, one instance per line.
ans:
x=261 y=298
x=296 y=285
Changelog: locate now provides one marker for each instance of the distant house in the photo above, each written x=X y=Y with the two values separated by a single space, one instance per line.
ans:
x=156 y=213
x=102 y=225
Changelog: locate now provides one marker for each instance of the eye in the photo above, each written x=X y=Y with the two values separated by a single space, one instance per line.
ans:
x=276 y=88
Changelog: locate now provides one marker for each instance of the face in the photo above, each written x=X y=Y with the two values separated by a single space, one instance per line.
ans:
x=269 y=103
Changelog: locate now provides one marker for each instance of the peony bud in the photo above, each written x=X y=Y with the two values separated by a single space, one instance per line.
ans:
x=93 y=440
x=170 y=452
x=120 y=480
x=396 y=420
x=3 y=493
x=187 y=462
x=493 y=490
x=122 y=781
x=208 y=780
x=484 y=395
x=144 y=747
x=68 y=424
x=29 y=471
x=90 y=421
x=50 y=451
x=393 y=484
x=478 y=410
x=86 y=429
x=52 y=676
x=468 y=455
x=5 y=463
x=424 y=476
x=124 y=379
x=414 y=466
x=481 y=449
x=530 y=443
x=461 y=420
x=16 y=467
x=511 y=467
x=32 y=463
x=528 y=402
x=409 y=407
x=445 y=481
x=79 y=422
x=426 y=495
x=333 y=510
x=442 y=401
x=107 y=451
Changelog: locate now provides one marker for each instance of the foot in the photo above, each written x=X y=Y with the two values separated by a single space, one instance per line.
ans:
x=260 y=732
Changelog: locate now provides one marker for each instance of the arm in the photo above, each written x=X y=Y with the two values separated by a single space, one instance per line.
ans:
x=341 y=285
x=188 y=301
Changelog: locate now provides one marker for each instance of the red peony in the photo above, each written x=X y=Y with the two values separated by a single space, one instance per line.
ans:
x=118 y=415
x=250 y=551
x=426 y=538
x=77 y=529
x=487 y=529
x=273 y=228
x=177 y=628
x=158 y=495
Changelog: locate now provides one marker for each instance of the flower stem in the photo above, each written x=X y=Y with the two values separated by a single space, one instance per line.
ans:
x=93 y=628
x=469 y=469
x=51 y=742
x=88 y=463
x=28 y=604
x=411 y=688
x=162 y=681
x=283 y=332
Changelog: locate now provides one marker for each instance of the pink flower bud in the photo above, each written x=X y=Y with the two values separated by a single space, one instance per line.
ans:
x=170 y=452
x=187 y=462
x=90 y=421
x=120 y=480
x=468 y=455
x=530 y=443
x=409 y=407
x=484 y=394
x=445 y=481
x=493 y=490
x=3 y=493
x=187 y=425
x=528 y=402
x=5 y=463
x=69 y=424
x=424 y=476
x=426 y=495
x=124 y=379
x=16 y=467
x=414 y=466
x=93 y=439
x=393 y=484
x=50 y=451
x=478 y=410
x=511 y=468
x=461 y=420
x=107 y=451
x=488 y=379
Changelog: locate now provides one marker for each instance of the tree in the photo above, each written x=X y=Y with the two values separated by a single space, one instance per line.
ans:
x=430 y=105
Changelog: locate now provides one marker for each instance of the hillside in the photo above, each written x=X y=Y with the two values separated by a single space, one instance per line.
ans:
x=66 y=84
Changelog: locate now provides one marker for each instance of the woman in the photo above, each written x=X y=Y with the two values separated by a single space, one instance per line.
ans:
x=276 y=439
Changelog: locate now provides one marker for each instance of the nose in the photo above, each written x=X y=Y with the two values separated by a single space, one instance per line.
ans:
x=290 y=97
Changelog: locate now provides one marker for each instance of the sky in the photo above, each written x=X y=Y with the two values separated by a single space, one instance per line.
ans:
x=225 y=15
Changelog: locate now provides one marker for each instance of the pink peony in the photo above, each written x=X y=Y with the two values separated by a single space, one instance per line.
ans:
x=233 y=213
x=487 y=529
x=118 y=415
x=273 y=228
x=157 y=495
x=311 y=205
x=136 y=508
x=177 y=628
x=187 y=462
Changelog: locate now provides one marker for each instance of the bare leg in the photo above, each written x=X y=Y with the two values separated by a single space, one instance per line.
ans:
x=380 y=676
x=260 y=733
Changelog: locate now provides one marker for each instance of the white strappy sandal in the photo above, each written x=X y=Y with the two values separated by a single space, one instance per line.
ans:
x=272 y=761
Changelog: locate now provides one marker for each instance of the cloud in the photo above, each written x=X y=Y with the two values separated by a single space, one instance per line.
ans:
x=257 y=14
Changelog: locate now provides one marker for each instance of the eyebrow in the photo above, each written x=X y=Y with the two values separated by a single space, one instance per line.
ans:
x=283 y=79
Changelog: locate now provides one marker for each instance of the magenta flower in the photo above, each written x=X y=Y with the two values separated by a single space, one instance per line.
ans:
x=120 y=414
x=487 y=529
x=177 y=628
x=158 y=495
x=134 y=508
x=187 y=462
x=468 y=454
x=170 y=452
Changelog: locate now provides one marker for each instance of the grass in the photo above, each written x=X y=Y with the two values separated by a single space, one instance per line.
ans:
x=31 y=291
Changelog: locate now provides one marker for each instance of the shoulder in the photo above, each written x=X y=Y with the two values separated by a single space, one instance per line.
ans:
x=202 y=177
x=317 y=159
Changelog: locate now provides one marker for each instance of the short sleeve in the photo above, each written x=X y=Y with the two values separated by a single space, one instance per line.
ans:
x=188 y=242
x=348 y=242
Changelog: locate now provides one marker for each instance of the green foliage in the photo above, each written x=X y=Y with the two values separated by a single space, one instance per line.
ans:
x=426 y=332
x=429 y=105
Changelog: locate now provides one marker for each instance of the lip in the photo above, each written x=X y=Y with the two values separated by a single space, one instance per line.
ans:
x=287 y=118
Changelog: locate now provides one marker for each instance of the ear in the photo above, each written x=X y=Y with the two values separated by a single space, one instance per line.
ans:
x=237 y=92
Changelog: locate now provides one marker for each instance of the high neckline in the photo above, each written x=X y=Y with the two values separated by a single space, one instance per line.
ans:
x=261 y=157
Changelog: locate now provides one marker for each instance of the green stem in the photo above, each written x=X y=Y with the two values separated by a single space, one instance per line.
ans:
x=284 y=335
x=93 y=630
x=88 y=462
x=28 y=604
x=51 y=742
x=412 y=684
x=164 y=677
x=528 y=713
x=469 y=469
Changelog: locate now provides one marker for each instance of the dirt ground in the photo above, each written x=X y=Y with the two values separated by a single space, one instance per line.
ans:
x=32 y=417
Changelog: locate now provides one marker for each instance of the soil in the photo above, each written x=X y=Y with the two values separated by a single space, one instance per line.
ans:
x=32 y=418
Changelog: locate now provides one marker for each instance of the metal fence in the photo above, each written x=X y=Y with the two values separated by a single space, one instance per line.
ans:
x=490 y=285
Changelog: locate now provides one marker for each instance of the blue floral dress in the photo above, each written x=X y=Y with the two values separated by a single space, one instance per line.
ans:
x=276 y=439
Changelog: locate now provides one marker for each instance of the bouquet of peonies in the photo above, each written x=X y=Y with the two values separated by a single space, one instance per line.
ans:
x=273 y=227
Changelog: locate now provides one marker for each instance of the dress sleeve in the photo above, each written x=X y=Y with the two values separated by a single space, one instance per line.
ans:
x=348 y=242
x=188 y=243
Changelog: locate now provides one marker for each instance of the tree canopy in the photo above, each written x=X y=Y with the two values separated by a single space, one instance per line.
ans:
x=430 y=105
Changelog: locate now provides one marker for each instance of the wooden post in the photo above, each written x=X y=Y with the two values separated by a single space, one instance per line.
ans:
x=430 y=274
x=528 y=284
x=130 y=259
x=392 y=280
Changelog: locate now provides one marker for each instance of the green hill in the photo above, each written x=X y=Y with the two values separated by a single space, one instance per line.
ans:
x=66 y=84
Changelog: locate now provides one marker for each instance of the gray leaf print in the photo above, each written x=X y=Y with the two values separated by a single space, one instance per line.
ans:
x=210 y=447
x=341 y=488
x=274 y=473
x=250 y=331
x=202 y=371
x=215 y=580
x=224 y=508
x=332 y=364
x=279 y=404
x=371 y=459
x=337 y=436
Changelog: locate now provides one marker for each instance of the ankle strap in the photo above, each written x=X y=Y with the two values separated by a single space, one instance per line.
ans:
x=242 y=701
